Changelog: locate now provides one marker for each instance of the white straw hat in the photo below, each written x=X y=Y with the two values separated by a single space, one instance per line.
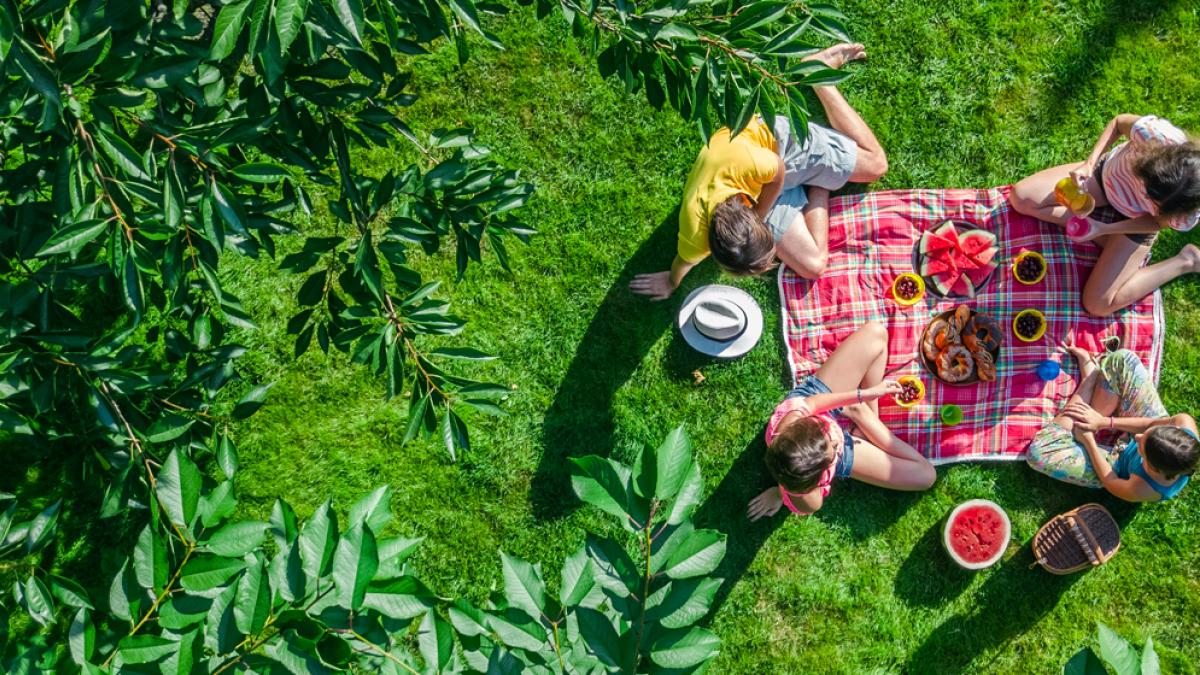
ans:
x=720 y=321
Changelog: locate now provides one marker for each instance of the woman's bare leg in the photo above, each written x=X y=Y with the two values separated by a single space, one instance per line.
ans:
x=859 y=362
x=1034 y=196
x=1119 y=280
x=885 y=460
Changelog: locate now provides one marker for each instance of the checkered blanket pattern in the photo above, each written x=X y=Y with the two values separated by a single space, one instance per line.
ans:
x=871 y=239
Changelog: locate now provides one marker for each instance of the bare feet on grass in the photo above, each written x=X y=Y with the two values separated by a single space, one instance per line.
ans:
x=839 y=55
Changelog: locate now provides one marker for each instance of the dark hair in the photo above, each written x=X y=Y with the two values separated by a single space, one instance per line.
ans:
x=1171 y=175
x=740 y=241
x=1172 y=451
x=799 y=455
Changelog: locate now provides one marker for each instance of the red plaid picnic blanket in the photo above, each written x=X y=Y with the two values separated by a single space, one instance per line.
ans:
x=871 y=239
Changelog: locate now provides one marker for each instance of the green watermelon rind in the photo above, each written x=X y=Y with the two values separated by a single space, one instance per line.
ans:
x=941 y=285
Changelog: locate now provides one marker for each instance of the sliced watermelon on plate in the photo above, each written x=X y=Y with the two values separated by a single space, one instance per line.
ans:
x=944 y=281
x=963 y=286
x=961 y=260
x=936 y=265
x=974 y=241
x=931 y=243
x=947 y=232
x=980 y=275
x=984 y=257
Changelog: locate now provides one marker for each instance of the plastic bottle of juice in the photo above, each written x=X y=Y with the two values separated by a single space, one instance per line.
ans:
x=1067 y=193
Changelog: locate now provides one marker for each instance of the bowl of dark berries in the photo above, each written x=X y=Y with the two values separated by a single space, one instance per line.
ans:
x=1029 y=267
x=1029 y=325
x=908 y=289
x=913 y=392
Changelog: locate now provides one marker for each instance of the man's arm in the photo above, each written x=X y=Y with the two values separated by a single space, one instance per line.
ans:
x=770 y=191
x=804 y=247
x=660 y=285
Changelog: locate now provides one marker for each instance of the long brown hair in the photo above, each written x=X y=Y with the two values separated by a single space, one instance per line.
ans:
x=799 y=455
x=1171 y=175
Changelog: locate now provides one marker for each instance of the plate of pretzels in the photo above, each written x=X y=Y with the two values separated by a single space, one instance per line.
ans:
x=962 y=346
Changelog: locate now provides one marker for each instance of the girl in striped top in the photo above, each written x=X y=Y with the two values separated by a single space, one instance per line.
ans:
x=1153 y=179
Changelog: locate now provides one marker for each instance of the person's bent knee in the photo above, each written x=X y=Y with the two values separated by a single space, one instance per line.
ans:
x=875 y=330
x=1021 y=201
x=872 y=166
x=926 y=476
x=1097 y=306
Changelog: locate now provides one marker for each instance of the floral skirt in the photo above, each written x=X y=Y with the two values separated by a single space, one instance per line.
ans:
x=1054 y=450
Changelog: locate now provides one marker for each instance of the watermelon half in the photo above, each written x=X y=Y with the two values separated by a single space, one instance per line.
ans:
x=977 y=534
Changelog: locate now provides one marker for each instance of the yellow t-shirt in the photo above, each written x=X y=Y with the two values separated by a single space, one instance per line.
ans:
x=724 y=168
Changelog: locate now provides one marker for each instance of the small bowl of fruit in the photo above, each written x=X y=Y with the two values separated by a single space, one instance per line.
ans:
x=913 y=392
x=908 y=289
x=1029 y=267
x=1029 y=325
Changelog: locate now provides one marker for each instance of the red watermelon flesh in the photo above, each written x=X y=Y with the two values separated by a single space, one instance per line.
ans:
x=938 y=265
x=932 y=242
x=963 y=286
x=943 y=281
x=974 y=241
x=948 y=232
x=985 y=256
x=978 y=534
x=979 y=275
x=961 y=260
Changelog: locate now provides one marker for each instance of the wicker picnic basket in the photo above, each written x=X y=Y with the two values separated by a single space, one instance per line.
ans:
x=1076 y=540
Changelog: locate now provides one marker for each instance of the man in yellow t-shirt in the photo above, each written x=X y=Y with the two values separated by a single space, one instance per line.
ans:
x=745 y=201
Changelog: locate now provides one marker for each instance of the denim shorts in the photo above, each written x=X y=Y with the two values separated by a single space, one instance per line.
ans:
x=812 y=385
x=825 y=159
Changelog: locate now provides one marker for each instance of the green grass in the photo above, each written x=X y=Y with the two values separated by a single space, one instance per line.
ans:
x=966 y=93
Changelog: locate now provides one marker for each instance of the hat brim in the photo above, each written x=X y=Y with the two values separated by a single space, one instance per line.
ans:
x=721 y=349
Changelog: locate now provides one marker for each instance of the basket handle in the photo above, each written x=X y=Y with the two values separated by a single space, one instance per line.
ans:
x=1086 y=540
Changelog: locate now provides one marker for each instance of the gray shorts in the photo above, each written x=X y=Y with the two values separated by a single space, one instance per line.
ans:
x=825 y=159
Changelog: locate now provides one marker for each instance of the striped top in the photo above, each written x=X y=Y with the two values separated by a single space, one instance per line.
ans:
x=1124 y=189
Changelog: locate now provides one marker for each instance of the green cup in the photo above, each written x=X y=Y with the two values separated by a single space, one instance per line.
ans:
x=951 y=414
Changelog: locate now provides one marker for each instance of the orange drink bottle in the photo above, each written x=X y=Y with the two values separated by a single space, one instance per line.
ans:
x=1068 y=193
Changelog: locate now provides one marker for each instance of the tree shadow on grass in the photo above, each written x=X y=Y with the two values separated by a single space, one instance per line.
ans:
x=1014 y=598
x=624 y=328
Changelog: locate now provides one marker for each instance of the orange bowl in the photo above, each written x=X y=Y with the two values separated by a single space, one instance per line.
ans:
x=915 y=381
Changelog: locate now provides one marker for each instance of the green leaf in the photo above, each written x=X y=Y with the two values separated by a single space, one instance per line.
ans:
x=237 y=539
x=673 y=460
x=688 y=497
x=283 y=524
x=615 y=570
x=682 y=603
x=678 y=649
x=72 y=238
x=597 y=631
x=252 y=604
x=38 y=602
x=69 y=593
x=454 y=433
x=122 y=154
x=1117 y=651
x=261 y=172
x=697 y=555
x=220 y=628
x=123 y=594
x=375 y=509
x=350 y=13
x=436 y=642
x=677 y=31
x=178 y=489
x=180 y=661
x=228 y=206
x=227 y=459
x=168 y=428
x=289 y=18
x=465 y=353
x=1150 y=658
x=150 y=560
x=758 y=14
x=252 y=401
x=42 y=527
x=203 y=573
x=1085 y=662
x=287 y=573
x=401 y=598
x=578 y=578
x=145 y=648
x=81 y=638
x=131 y=288
x=228 y=27
x=173 y=198
x=465 y=10
x=607 y=485
x=318 y=538
x=354 y=566
x=521 y=633
x=523 y=585
x=393 y=551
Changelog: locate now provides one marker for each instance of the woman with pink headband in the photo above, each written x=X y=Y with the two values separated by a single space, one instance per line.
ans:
x=807 y=441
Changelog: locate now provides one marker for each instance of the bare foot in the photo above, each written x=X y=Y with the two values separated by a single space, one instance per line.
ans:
x=1191 y=255
x=838 y=55
x=1085 y=359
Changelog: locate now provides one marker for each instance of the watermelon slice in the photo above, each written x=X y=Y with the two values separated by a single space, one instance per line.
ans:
x=977 y=534
x=943 y=281
x=946 y=231
x=980 y=274
x=932 y=266
x=985 y=256
x=961 y=260
x=974 y=241
x=963 y=286
x=931 y=243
